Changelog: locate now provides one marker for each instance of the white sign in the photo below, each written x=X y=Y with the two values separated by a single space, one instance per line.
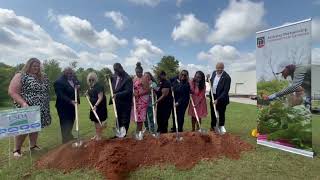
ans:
x=283 y=67
x=281 y=46
x=19 y=121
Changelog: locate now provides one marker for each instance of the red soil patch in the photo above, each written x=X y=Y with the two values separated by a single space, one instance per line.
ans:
x=115 y=158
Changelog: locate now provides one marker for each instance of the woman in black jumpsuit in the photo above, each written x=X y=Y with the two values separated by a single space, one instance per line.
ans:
x=164 y=102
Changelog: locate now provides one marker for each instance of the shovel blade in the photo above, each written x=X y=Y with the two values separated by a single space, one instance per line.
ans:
x=77 y=144
x=156 y=135
x=203 y=131
x=120 y=133
x=139 y=136
x=179 y=138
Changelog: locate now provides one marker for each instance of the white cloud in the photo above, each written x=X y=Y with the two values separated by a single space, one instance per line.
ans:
x=118 y=18
x=316 y=56
x=179 y=2
x=238 y=21
x=220 y=53
x=26 y=26
x=230 y=56
x=81 y=31
x=246 y=62
x=21 y=38
x=316 y=29
x=193 y=68
x=190 y=29
x=51 y=15
x=145 y=52
x=98 y=60
x=151 y=3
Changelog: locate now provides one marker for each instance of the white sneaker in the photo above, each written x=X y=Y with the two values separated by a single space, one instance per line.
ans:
x=17 y=154
x=222 y=130
x=217 y=130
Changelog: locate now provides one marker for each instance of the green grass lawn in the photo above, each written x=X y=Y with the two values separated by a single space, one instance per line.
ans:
x=261 y=163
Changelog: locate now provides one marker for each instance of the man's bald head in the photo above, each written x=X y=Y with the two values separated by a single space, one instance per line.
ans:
x=219 y=67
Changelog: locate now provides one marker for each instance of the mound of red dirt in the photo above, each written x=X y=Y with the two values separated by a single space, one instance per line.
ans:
x=115 y=158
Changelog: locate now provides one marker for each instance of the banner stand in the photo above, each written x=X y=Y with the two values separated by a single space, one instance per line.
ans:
x=286 y=148
x=30 y=154
x=283 y=73
x=9 y=152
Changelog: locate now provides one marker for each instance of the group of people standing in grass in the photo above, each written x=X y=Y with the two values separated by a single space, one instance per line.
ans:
x=30 y=87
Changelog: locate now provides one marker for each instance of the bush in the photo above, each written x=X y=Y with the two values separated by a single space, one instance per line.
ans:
x=270 y=87
x=279 y=121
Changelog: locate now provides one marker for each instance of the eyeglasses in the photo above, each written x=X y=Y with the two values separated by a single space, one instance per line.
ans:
x=185 y=75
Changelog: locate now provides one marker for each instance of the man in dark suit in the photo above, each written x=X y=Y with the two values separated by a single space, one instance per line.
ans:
x=122 y=88
x=65 y=103
x=220 y=85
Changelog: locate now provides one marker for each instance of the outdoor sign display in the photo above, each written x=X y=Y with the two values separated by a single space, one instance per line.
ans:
x=284 y=87
x=20 y=121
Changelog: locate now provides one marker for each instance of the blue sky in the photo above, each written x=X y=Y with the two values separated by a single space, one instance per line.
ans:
x=98 y=33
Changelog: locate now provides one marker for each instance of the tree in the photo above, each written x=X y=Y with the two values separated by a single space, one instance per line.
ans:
x=18 y=67
x=73 y=65
x=168 y=64
x=53 y=71
x=82 y=77
x=102 y=76
x=6 y=74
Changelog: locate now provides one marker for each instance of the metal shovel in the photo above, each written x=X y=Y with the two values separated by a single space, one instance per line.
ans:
x=215 y=112
x=154 y=108
x=119 y=131
x=138 y=135
x=178 y=138
x=78 y=143
x=202 y=131
x=94 y=111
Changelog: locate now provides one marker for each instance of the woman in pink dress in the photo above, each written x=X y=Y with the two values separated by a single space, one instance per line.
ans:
x=198 y=91
x=141 y=96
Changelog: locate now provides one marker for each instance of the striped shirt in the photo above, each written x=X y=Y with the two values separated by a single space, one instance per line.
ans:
x=301 y=77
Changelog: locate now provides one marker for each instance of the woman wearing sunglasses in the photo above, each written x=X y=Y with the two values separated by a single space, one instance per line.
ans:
x=99 y=103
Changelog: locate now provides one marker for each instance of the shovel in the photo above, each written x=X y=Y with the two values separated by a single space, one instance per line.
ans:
x=179 y=138
x=78 y=143
x=138 y=135
x=119 y=131
x=215 y=111
x=202 y=131
x=154 y=107
x=94 y=111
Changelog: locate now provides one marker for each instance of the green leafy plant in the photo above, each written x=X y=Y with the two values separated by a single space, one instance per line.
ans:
x=270 y=87
x=280 y=121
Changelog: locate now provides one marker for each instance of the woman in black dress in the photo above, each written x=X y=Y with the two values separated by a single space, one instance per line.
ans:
x=98 y=101
x=164 y=102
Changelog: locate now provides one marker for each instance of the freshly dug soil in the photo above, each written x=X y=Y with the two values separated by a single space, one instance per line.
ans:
x=116 y=158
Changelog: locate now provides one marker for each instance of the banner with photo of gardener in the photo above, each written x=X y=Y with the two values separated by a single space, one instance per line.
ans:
x=284 y=87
